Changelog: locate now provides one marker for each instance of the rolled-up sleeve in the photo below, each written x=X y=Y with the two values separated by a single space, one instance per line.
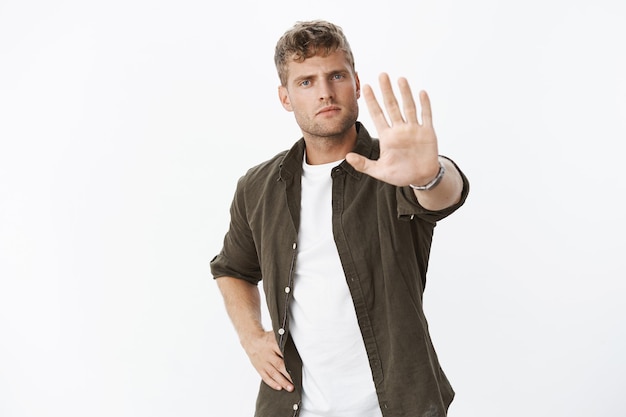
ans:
x=238 y=257
x=409 y=207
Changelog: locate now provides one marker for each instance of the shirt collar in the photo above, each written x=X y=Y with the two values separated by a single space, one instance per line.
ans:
x=292 y=161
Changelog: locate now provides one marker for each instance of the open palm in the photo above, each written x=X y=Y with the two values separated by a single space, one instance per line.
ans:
x=408 y=148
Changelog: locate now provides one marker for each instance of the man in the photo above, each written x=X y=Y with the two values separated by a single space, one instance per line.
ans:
x=339 y=230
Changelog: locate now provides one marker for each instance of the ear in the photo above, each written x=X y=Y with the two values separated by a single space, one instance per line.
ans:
x=283 y=96
x=358 y=85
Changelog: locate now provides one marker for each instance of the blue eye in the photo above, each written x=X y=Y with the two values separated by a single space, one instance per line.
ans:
x=337 y=76
x=305 y=83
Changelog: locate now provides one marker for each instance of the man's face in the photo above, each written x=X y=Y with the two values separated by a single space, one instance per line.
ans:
x=322 y=93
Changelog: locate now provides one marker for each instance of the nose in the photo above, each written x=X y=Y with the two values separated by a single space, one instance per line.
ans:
x=325 y=91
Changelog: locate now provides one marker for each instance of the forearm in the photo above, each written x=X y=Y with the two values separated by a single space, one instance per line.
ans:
x=243 y=305
x=446 y=193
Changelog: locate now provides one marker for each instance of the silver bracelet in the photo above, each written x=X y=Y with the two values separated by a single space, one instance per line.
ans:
x=434 y=182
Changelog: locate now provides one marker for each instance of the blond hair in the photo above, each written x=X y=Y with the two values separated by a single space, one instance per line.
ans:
x=308 y=39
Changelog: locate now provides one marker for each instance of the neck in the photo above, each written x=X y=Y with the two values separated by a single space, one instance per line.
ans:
x=323 y=150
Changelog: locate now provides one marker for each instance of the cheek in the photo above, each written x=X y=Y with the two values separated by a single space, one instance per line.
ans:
x=297 y=104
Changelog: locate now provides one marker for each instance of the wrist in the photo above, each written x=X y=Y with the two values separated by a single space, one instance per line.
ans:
x=249 y=337
x=432 y=183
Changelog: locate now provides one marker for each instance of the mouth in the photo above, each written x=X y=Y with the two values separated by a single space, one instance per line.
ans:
x=328 y=109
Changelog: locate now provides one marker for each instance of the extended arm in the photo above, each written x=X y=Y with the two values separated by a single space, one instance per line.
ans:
x=408 y=148
x=243 y=304
x=446 y=193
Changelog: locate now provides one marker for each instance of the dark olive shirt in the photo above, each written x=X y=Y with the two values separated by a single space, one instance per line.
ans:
x=383 y=237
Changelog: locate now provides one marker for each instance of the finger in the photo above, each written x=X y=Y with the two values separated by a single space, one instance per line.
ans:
x=375 y=111
x=270 y=382
x=279 y=364
x=277 y=377
x=284 y=374
x=427 y=116
x=408 y=103
x=360 y=163
x=389 y=98
x=283 y=377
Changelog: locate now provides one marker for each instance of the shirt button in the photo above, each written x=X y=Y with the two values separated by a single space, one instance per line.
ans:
x=294 y=245
x=287 y=290
x=295 y=407
x=281 y=331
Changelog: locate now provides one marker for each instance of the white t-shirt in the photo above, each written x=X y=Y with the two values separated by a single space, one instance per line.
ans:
x=337 y=380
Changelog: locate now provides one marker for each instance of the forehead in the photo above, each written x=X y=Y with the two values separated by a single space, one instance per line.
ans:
x=319 y=65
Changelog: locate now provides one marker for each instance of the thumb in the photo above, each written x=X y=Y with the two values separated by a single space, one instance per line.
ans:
x=358 y=162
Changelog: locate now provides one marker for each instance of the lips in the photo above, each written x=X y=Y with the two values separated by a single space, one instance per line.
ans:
x=328 y=109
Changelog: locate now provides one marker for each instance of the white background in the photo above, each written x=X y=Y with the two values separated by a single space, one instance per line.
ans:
x=124 y=126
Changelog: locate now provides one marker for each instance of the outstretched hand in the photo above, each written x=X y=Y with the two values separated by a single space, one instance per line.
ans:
x=408 y=148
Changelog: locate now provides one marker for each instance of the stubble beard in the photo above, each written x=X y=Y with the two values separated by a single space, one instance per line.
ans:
x=329 y=130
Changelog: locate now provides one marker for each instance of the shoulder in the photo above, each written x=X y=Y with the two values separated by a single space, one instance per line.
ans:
x=284 y=165
x=264 y=171
x=266 y=167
